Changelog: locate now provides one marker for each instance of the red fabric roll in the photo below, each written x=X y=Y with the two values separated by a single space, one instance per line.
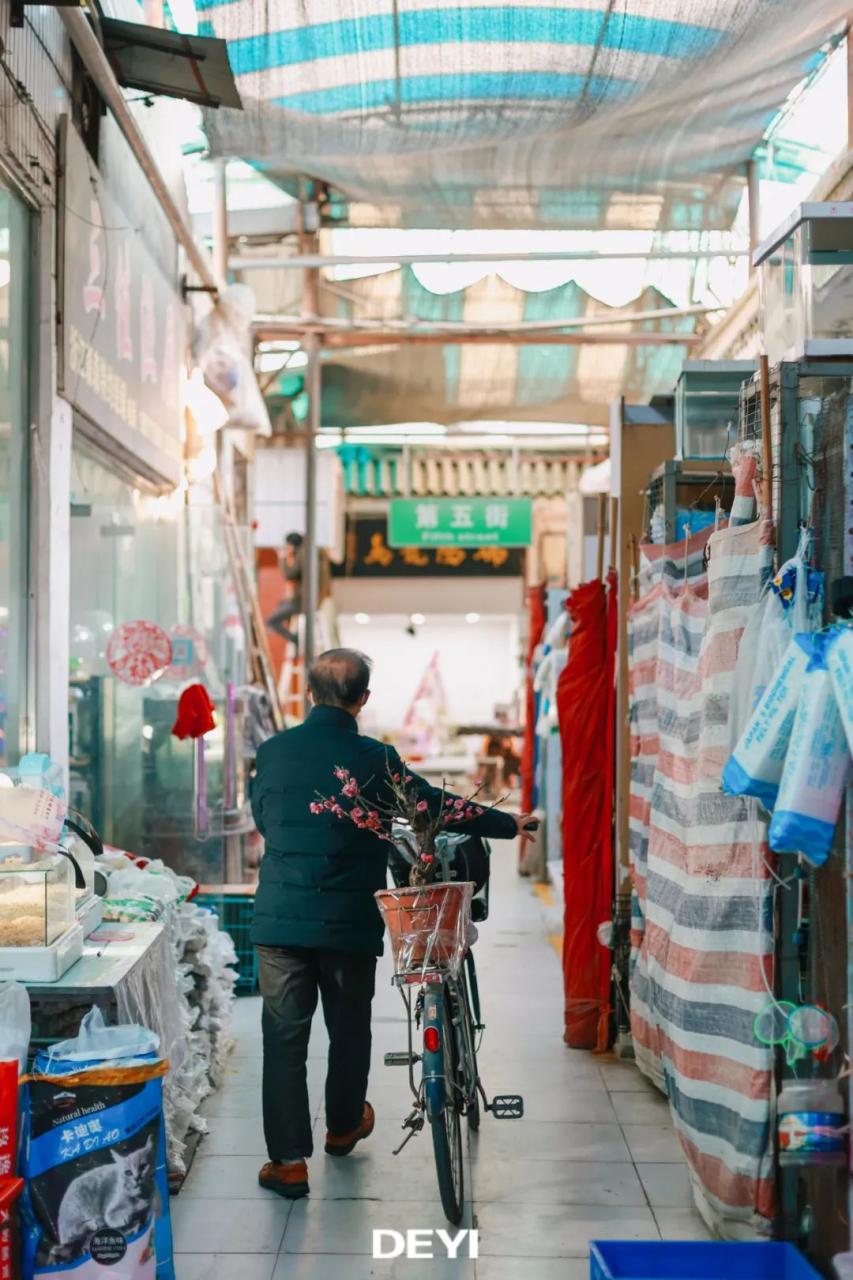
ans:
x=585 y=704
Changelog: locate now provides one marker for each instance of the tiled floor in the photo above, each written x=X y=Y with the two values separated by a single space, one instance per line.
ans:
x=595 y=1155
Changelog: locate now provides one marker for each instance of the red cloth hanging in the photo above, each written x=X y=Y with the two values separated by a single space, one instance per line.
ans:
x=608 y=811
x=536 y=619
x=585 y=704
x=195 y=713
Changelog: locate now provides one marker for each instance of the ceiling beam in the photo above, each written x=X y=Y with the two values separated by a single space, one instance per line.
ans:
x=266 y=331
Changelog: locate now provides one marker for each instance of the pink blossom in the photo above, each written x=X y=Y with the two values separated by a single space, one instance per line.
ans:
x=338 y=811
x=373 y=816
x=458 y=804
x=329 y=804
x=408 y=778
x=316 y=806
x=350 y=789
x=421 y=806
x=356 y=814
x=395 y=777
x=448 y=804
x=478 y=808
x=427 y=857
x=341 y=774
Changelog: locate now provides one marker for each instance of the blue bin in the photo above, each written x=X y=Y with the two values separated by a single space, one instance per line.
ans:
x=696 y=1260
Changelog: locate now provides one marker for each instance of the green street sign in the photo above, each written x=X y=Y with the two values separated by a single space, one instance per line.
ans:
x=460 y=522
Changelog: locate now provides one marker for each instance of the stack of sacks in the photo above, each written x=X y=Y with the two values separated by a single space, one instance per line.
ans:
x=190 y=997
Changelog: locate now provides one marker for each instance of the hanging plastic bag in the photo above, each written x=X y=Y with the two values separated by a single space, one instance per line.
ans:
x=817 y=767
x=792 y=603
x=96 y=1199
x=222 y=346
x=756 y=764
x=839 y=659
x=15 y=1023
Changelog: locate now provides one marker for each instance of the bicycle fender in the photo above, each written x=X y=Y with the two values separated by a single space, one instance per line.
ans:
x=435 y=1091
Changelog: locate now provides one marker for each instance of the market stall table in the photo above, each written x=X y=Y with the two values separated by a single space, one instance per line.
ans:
x=108 y=974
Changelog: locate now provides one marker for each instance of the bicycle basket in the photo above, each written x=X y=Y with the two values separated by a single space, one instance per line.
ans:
x=427 y=925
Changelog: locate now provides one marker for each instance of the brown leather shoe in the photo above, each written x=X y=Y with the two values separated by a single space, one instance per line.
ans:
x=288 y=1180
x=343 y=1143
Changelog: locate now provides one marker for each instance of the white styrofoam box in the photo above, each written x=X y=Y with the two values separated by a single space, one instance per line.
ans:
x=42 y=964
x=279 y=498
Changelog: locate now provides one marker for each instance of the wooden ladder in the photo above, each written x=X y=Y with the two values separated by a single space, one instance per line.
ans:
x=261 y=667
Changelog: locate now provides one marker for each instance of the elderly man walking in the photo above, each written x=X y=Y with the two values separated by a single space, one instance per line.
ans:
x=316 y=926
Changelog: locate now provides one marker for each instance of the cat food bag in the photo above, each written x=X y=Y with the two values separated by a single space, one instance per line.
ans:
x=755 y=766
x=96 y=1202
x=839 y=659
x=817 y=767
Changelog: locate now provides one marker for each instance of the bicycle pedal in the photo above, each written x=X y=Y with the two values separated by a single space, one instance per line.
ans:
x=401 y=1059
x=507 y=1106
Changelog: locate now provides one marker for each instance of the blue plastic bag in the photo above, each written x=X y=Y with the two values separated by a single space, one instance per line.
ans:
x=817 y=766
x=757 y=762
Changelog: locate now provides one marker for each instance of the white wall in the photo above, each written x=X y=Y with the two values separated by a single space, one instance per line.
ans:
x=479 y=664
x=491 y=597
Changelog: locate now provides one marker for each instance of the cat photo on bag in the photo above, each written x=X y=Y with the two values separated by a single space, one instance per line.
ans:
x=118 y=1193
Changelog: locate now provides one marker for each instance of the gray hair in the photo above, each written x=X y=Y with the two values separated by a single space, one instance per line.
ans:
x=339 y=677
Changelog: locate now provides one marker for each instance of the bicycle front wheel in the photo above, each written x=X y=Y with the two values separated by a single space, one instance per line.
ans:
x=446 y=1125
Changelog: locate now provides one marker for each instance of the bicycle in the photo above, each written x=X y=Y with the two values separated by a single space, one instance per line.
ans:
x=446 y=1010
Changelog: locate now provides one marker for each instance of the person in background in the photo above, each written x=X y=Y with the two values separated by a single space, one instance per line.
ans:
x=291 y=561
x=500 y=744
x=316 y=925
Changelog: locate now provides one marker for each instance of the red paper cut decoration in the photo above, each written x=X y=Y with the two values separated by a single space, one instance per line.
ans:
x=139 y=652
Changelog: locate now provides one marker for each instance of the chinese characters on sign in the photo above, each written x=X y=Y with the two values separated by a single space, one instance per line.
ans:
x=460 y=522
x=370 y=553
x=122 y=320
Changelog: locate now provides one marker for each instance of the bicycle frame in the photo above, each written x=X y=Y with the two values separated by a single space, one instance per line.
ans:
x=446 y=1009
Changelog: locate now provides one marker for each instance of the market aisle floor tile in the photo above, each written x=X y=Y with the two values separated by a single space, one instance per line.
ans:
x=596 y=1154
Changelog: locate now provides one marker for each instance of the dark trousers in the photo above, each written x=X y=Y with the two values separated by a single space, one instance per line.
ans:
x=290 y=980
x=278 y=619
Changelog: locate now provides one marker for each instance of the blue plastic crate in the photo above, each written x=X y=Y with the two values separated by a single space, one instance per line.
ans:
x=696 y=1260
x=235 y=918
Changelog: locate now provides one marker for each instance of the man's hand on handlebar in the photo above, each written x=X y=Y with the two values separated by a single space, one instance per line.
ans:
x=526 y=824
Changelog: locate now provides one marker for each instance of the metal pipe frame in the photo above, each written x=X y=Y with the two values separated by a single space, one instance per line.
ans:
x=300 y=261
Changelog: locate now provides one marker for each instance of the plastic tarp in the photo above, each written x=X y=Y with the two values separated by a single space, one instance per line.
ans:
x=514 y=113
x=502 y=381
x=702 y=916
x=585 y=711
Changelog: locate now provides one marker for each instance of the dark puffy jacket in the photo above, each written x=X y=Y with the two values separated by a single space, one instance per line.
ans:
x=319 y=873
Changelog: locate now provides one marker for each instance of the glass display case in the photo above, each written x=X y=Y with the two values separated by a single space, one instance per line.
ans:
x=707 y=395
x=37 y=902
x=805 y=283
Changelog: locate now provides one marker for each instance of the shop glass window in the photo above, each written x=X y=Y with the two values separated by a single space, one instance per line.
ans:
x=136 y=555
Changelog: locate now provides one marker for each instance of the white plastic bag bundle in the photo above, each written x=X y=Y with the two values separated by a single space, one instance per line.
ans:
x=15 y=1023
x=817 y=767
x=756 y=764
x=96 y=1041
x=839 y=659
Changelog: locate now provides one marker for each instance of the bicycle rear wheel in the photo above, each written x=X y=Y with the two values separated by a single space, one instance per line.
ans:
x=446 y=1126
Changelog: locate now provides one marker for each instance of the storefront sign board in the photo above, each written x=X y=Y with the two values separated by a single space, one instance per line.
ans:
x=122 y=320
x=460 y=522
